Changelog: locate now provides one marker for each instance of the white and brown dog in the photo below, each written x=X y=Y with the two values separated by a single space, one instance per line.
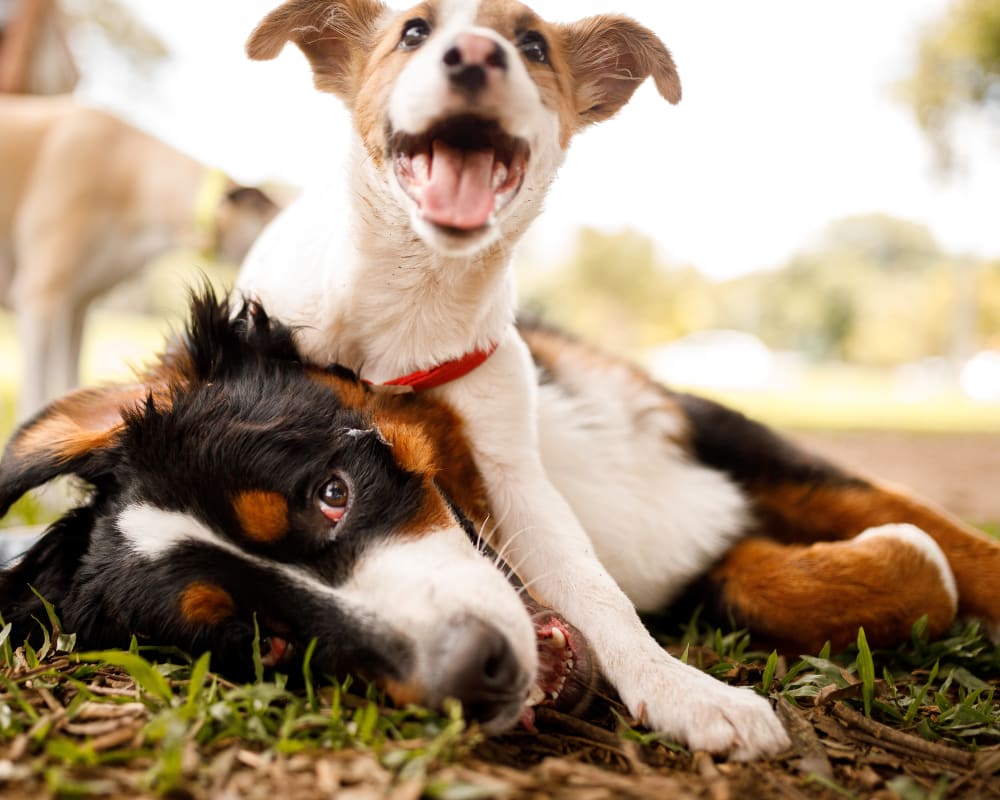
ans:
x=87 y=200
x=463 y=111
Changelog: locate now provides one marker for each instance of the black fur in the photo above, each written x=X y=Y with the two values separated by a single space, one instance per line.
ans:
x=243 y=415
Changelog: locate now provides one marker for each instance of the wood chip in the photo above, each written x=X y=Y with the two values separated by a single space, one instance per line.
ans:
x=327 y=777
x=96 y=728
x=92 y=710
x=118 y=738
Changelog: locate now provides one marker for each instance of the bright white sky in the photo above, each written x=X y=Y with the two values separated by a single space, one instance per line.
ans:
x=787 y=122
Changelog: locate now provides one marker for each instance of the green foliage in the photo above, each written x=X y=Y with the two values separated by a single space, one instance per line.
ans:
x=957 y=69
x=871 y=290
x=190 y=724
x=617 y=284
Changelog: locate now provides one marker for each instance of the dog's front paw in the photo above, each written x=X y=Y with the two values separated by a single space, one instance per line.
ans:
x=704 y=714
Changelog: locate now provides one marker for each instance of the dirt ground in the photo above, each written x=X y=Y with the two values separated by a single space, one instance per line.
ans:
x=960 y=472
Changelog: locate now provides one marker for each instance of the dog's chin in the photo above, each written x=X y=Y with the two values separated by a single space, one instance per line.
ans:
x=454 y=242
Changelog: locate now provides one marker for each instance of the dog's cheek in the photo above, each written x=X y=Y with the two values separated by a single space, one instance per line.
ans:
x=370 y=111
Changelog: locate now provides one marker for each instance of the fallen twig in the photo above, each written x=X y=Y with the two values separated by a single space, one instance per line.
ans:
x=902 y=742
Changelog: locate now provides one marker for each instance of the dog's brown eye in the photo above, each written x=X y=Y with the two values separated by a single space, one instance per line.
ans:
x=415 y=33
x=534 y=47
x=333 y=497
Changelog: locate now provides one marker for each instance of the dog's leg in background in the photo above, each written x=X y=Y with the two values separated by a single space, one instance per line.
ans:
x=901 y=565
x=50 y=335
x=541 y=538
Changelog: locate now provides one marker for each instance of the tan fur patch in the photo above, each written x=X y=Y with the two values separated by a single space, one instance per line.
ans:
x=411 y=448
x=206 y=604
x=335 y=37
x=609 y=56
x=442 y=446
x=376 y=78
x=799 y=597
x=84 y=421
x=416 y=453
x=263 y=516
x=805 y=513
x=351 y=393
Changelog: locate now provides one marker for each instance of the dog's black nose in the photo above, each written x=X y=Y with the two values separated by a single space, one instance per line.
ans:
x=469 y=60
x=481 y=671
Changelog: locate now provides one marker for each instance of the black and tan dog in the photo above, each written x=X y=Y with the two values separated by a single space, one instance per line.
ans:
x=236 y=480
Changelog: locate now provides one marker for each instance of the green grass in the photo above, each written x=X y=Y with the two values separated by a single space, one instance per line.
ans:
x=52 y=701
x=837 y=398
x=182 y=723
x=943 y=690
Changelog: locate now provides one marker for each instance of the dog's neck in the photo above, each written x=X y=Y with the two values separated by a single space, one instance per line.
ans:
x=405 y=307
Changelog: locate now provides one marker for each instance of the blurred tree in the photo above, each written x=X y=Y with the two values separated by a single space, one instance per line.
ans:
x=988 y=294
x=957 y=69
x=615 y=289
x=872 y=289
x=957 y=72
x=888 y=241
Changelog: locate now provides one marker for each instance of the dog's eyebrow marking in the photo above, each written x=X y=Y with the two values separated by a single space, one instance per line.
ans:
x=263 y=516
x=411 y=449
x=206 y=603
x=153 y=532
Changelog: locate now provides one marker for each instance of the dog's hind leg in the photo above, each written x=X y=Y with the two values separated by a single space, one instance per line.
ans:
x=797 y=597
x=798 y=498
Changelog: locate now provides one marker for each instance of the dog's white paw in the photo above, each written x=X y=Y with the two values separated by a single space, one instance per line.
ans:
x=705 y=714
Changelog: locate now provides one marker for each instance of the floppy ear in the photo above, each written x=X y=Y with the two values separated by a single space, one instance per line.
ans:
x=335 y=35
x=252 y=199
x=610 y=56
x=72 y=436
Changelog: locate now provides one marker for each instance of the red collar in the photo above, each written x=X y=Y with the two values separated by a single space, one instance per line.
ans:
x=443 y=373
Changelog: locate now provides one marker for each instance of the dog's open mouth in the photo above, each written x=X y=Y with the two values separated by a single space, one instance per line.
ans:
x=566 y=671
x=461 y=172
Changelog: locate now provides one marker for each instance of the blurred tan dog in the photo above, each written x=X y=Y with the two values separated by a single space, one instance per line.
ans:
x=85 y=201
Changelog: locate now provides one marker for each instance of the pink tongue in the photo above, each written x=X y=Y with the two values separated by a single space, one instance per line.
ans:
x=459 y=193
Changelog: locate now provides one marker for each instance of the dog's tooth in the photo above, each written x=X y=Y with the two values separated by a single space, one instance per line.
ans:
x=499 y=175
x=558 y=637
x=421 y=164
x=553 y=695
x=535 y=696
x=569 y=663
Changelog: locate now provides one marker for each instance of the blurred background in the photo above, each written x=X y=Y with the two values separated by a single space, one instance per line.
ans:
x=812 y=235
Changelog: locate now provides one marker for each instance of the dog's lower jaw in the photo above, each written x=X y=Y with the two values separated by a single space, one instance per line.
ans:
x=454 y=242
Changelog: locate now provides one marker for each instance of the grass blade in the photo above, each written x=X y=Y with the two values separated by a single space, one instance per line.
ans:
x=142 y=672
x=866 y=671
